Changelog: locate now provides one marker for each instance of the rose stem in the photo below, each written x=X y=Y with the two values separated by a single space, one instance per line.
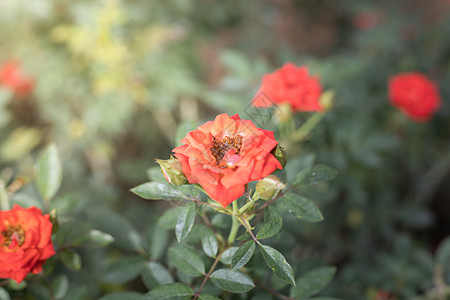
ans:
x=235 y=224
x=303 y=131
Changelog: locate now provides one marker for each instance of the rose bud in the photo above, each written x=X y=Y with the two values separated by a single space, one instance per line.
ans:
x=268 y=187
x=171 y=169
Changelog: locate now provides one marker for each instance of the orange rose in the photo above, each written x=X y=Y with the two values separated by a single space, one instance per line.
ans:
x=12 y=77
x=224 y=155
x=292 y=85
x=25 y=242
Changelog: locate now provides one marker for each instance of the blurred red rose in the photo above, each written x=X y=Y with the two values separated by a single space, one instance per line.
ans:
x=224 y=155
x=290 y=84
x=366 y=20
x=415 y=95
x=13 y=78
x=25 y=242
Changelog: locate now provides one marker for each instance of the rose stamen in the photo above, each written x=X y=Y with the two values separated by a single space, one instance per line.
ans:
x=221 y=147
x=14 y=235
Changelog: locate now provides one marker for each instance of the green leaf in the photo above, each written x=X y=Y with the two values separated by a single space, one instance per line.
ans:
x=39 y=292
x=161 y=191
x=324 y=298
x=60 y=286
x=124 y=296
x=4 y=294
x=49 y=172
x=77 y=293
x=125 y=269
x=108 y=221
x=186 y=261
x=208 y=297
x=172 y=291
x=209 y=243
x=312 y=282
x=232 y=281
x=314 y=175
x=278 y=264
x=155 y=274
x=243 y=255
x=442 y=256
x=185 y=221
x=100 y=239
x=156 y=241
x=227 y=255
x=244 y=237
x=71 y=259
x=302 y=208
x=168 y=220
x=270 y=228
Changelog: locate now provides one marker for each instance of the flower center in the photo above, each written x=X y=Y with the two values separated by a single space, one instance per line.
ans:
x=220 y=148
x=14 y=235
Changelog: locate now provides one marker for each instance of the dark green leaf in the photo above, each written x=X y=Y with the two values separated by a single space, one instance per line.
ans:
x=108 y=221
x=324 y=298
x=156 y=241
x=244 y=237
x=270 y=228
x=314 y=175
x=125 y=269
x=77 y=293
x=169 y=218
x=39 y=292
x=155 y=274
x=208 y=297
x=100 y=239
x=232 y=281
x=60 y=286
x=161 y=191
x=185 y=221
x=312 y=282
x=172 y=291
x=209 y=243
x=243 y=255
x=227 y=255
x=302 y=208
x=186 y=261
x=123 y=296
x=49 y=172
x=278 y=264
x=71 y=259
x=443 y=252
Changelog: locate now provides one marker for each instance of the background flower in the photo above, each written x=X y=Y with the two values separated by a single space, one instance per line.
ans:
x=415 y=95
x=12 y=77
x=224 y=155
x=25 y=242
x=290 y=84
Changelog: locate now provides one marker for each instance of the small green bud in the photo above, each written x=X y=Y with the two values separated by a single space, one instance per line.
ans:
x=327 y=100
x=171 y=169
x=268 y=187
x=280 y=155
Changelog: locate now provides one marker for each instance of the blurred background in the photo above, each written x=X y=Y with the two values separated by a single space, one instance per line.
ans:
x=115 y=84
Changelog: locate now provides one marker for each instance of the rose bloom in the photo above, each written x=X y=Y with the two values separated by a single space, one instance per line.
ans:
x=290 y=84
x=224 y=155
x=415 y=95
x=12 y=77
x=25 y=242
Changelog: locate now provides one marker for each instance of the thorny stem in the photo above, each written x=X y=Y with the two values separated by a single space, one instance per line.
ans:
x=248 y=204
x=306 y=128
x=4 y=201
x=235 y=224
x=208 y=275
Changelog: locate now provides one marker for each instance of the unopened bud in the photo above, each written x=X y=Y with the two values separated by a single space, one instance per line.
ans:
x=268 y=187
x=327 y=100
x=280 y=155
x=171 y=169
x=283 y=113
